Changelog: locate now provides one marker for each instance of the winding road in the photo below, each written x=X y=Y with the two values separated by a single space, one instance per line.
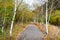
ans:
x=31 y=33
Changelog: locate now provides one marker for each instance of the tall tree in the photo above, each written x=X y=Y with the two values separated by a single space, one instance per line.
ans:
x=15 y=9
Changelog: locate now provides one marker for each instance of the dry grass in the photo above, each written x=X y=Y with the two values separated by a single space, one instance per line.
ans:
x=54 y=31
x=18 y=28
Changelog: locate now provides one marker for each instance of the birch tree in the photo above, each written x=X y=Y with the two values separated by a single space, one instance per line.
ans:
x=42 y=15
x=2 y=12
x=47 y=16
x=15 y=9
x=52 y=6
x=51 y=9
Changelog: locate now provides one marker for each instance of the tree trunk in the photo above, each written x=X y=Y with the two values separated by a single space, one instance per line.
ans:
x=47 y=17
x=3 y=25
x=15 y=9
x=42 y=15
x=13 y=19
x=51 y=9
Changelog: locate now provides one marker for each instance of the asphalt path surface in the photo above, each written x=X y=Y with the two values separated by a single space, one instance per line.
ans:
x=31 y=33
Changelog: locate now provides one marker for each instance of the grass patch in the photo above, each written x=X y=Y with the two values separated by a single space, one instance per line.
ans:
x=16 y=30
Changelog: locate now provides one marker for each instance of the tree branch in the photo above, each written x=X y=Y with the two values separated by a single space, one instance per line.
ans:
x=19 y=4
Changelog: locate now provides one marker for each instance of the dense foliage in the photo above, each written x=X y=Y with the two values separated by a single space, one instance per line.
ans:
x=55 y=18
x=25 y=15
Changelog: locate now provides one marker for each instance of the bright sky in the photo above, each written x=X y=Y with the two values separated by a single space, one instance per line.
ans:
x=31 y=2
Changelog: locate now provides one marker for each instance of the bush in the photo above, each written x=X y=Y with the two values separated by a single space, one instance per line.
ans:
x=55 y=18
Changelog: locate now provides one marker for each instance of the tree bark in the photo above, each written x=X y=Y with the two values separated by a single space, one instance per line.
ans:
x=51 y=9
x=47 y=17
x=15 y=9
x=42 y=15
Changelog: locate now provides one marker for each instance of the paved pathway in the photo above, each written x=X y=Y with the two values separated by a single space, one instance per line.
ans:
x=31 y=33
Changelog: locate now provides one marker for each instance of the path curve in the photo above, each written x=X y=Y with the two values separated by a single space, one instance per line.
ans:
x=31 y=33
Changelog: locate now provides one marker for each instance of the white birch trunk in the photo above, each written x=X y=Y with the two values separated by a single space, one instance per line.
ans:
x=47 y=17
x=15 y=8
x=13 y=19
x=3 y=21
x=3 y=25
x=35 y=19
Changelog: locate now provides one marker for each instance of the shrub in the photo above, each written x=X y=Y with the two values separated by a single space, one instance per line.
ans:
x=55 y=18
